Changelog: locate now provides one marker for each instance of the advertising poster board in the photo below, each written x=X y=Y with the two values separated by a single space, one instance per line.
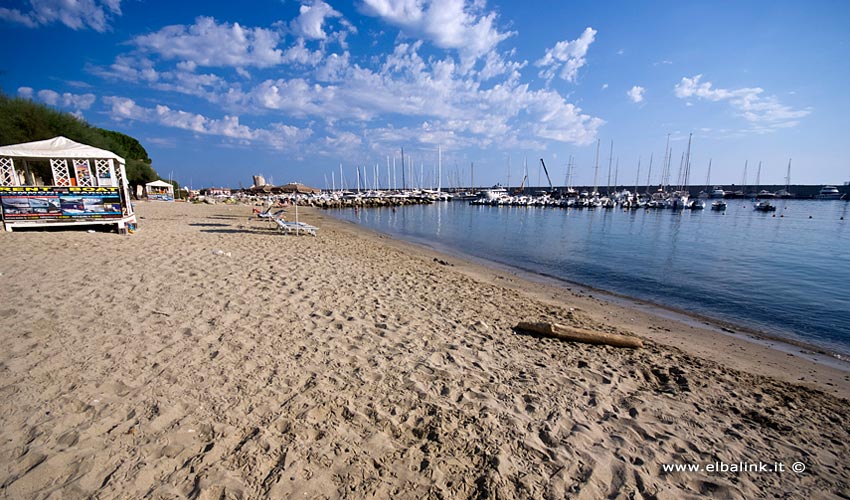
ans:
x=60 y=202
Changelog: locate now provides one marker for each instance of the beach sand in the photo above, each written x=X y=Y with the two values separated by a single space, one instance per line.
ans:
x=210 y=357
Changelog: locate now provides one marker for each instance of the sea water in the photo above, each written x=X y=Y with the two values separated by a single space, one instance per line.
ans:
x=784 y=273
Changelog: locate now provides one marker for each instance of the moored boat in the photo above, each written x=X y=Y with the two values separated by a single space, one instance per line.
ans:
x=719 y=205
x=828 y=193
x=764 y=206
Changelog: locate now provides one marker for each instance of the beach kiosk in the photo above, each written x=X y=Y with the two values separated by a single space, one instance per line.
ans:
x=88 y=186
x=160 y=191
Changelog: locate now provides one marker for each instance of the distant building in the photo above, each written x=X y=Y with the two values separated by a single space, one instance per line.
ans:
x=216 y=191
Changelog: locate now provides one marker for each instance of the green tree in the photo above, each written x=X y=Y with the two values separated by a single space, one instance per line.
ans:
x=22 y=120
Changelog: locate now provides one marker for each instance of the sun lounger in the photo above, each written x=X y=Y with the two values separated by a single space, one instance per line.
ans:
x=295 y=227
x=268 y=215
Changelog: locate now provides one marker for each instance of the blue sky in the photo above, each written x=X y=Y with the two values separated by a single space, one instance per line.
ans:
x=220 y=91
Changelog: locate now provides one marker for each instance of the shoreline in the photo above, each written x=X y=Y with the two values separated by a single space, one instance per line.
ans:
x=836 y=369
x=209 y=355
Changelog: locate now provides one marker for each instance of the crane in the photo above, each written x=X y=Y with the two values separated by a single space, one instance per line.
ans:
x=551 y=189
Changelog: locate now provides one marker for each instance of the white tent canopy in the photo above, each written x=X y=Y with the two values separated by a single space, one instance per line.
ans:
x=160 y=190
x=58 y=147
x=160 y=184
x=88 y=185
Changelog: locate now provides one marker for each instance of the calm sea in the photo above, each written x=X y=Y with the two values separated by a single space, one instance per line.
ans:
x=785 y=273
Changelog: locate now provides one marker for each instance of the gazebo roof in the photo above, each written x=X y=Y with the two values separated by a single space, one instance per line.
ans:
x=159 y=183
x=58 y=147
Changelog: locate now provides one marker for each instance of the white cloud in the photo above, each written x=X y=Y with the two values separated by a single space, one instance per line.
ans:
x=449 y=24
x=300 y=54
x=16 y=16
x=77 y=14
x=604 y=86
x=408 y=86
x=124 y=108
x=75 y=102
x=348 y=99
x=636 y=94
x=763 y=112
x=566 y=57
x=276 y=135
x=207 y=43
x=310 y=21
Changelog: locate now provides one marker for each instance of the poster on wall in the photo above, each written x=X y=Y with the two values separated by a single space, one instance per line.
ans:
x=59 y=202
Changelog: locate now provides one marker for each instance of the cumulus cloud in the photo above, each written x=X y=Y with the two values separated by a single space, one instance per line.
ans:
x=208 y=43
x=300 y=54
x=125 y=108
x=449 y=24
x=636 y=94
x=762 y=111
x=77 y=15
x=67 y=100
x=311 y=19
x=437 y=91
x=277 y=135
x=566 y=57
x=351 y=100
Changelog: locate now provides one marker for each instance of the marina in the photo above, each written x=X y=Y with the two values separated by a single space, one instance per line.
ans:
x=783 y=272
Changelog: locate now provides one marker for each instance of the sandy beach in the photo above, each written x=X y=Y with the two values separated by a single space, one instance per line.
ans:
x=207 y=356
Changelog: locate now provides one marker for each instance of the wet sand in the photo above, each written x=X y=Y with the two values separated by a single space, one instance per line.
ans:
x=207 y=356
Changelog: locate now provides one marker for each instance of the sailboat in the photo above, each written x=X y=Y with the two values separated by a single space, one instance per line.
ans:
x=706 y=193
x=680 y=197
x=785 y=193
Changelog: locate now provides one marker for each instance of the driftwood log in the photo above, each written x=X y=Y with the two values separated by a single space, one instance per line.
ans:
x=571 y=334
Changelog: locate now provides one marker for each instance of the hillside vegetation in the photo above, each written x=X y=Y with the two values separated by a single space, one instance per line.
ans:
x=22 y=120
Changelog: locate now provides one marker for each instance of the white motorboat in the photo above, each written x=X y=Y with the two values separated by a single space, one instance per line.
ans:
x=828 y=193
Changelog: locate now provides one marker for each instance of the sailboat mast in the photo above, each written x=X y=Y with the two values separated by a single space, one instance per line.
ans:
x=788 y=178
x=637 y=177
x=616 y=173
x=439 y=168
x=610 y=161
x=596 y=170
x=687 y=179
x=649 y=174
x=509 y=172
x=403 y=178
x=662 y=181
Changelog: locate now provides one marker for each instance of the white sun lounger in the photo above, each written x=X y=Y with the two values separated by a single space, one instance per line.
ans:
x=269 y=215
x=295 y=227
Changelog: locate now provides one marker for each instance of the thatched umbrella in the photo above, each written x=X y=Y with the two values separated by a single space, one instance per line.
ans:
x=298 y=188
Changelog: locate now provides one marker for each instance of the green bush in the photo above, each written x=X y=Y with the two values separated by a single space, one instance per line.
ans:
x=22 y=120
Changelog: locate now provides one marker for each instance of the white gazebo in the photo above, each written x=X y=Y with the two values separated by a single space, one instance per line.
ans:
x=160 y=190
x=89 y=186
